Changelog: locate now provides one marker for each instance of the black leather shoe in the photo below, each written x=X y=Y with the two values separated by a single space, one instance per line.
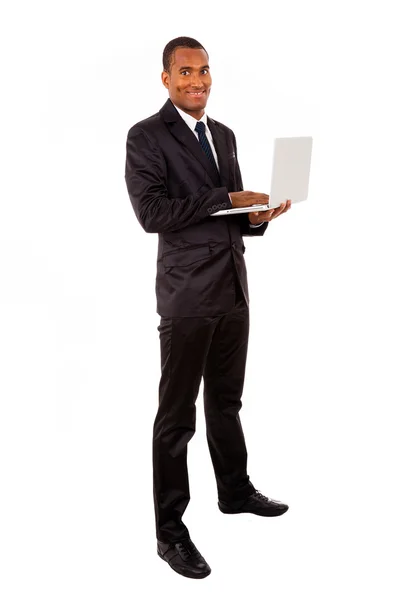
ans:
x=184 y=558
x=258 y=505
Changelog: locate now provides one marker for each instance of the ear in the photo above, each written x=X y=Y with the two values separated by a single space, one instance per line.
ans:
x=165 y=79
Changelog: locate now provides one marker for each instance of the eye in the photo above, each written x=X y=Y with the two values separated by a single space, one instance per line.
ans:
x=205 y=71
x=182 y=72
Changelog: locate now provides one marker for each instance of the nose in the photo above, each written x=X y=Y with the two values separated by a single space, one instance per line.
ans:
x=196 y=81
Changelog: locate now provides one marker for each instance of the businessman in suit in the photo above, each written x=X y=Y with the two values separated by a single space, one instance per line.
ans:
x=181 y=167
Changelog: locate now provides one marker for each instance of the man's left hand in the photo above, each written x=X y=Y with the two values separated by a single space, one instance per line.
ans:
x=256 y=218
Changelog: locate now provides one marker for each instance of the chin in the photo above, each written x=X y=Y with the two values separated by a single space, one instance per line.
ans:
x=200 y=104
x=196 y=106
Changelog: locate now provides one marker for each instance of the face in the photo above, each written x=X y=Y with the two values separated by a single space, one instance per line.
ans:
x=189 y=81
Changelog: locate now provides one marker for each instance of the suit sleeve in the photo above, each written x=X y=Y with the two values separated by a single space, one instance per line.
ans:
x=146 y=177
x=245 y=228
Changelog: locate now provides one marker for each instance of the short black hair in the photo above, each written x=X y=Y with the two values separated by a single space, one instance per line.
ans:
x=179 y=42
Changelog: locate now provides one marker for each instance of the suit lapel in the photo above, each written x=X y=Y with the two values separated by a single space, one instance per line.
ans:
x=185 y=136
x=219 y=141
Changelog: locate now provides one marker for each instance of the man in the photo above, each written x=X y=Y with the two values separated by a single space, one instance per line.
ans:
x=181 y=167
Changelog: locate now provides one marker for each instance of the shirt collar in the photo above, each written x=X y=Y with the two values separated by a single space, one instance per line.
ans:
x=189 y=120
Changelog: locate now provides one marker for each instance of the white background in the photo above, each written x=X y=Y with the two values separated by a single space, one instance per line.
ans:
x=327 y=374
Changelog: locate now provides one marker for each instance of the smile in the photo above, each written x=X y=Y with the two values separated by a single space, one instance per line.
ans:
x=196 y=93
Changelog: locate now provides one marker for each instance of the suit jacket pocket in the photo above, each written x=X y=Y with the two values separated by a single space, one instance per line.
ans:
x=186 y=256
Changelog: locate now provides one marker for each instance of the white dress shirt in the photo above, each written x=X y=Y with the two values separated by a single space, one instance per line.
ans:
x=191 y=123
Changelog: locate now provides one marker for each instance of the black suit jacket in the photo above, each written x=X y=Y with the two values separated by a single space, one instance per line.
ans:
x=173 y=191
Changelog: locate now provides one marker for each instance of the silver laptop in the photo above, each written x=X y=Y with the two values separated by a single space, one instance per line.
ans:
x=290 y=175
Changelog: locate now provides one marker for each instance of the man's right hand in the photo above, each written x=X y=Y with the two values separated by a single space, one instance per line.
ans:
x=240 y=199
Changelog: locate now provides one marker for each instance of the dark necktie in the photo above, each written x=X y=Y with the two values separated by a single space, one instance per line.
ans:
x=204 y=142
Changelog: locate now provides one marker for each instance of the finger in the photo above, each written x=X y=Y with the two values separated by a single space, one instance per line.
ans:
x=261 y=198
x=277 y=212
x=284 y=209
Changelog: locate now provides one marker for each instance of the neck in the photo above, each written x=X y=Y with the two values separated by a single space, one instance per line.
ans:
x=196 y=114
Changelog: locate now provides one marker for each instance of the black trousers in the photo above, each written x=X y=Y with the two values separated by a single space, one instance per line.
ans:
x=214 y=348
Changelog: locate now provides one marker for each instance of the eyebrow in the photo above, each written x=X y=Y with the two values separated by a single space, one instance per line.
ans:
x=185 y=68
